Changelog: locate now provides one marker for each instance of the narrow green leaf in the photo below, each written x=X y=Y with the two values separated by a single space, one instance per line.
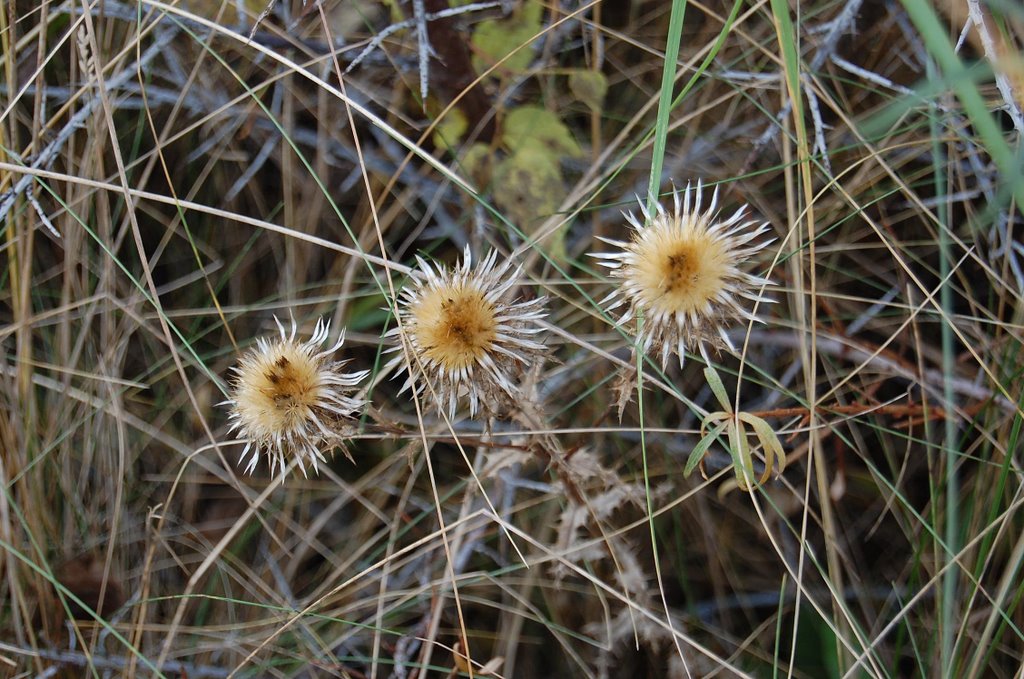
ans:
x=936 y=40
x=701 y=448
x=715 y=382
x=668 y=79
x=769 y=441
x=743 y=466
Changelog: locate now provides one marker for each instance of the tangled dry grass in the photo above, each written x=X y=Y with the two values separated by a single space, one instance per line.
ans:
x=176 y=173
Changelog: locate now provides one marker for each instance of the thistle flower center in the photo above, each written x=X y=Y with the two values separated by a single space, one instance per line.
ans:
x=282 y=389
x=290 y=383
x=455 y=327
x=680 y=273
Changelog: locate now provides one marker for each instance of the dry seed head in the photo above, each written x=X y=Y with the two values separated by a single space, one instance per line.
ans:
x=290 y=398
x=681 y=272
x=465 y=337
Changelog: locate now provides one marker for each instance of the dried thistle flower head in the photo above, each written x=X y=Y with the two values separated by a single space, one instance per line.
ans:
x=681 y=272
x=290 y=398
x=464 y=335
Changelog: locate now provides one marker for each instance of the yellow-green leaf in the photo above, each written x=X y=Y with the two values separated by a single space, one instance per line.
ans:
x=589 y=86
x=742 y=463
x=450 y=129
x=769 y=442
x=528 y=186
x=476 y=163
x=495 y=39
x=540 y=128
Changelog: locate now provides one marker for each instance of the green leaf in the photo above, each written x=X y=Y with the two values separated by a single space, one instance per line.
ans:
x=769 y=441
x=717 y=388
x=499 y=38
x=589 y=86
x=477 y=164
x=535 y=126
x=450 y=129
x=665 y=102
x=528 y=186
x=701 y=448
x=742 y=463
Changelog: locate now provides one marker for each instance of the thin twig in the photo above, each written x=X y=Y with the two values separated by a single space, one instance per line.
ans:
x=819 y=124
x=932 y=379
x=423 y=48
x=837 y=28
x=992 y=54
x=907 y=411
x=388 y=31
x=45 y=158
x=106 y=662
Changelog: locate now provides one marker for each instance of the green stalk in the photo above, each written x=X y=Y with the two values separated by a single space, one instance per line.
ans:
x=668 y=78
x=952 y=489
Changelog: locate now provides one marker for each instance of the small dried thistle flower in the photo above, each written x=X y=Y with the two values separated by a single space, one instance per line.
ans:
x=290 y=398
x=681 y=272
x=465 y=337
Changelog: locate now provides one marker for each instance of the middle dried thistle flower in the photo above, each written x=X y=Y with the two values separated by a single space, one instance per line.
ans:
x=466 y=337
x=681 y=272
x=290 y=398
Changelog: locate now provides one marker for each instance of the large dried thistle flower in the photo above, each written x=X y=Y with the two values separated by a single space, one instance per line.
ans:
x=464 y=335
x=681 y=273
x=290 y=398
